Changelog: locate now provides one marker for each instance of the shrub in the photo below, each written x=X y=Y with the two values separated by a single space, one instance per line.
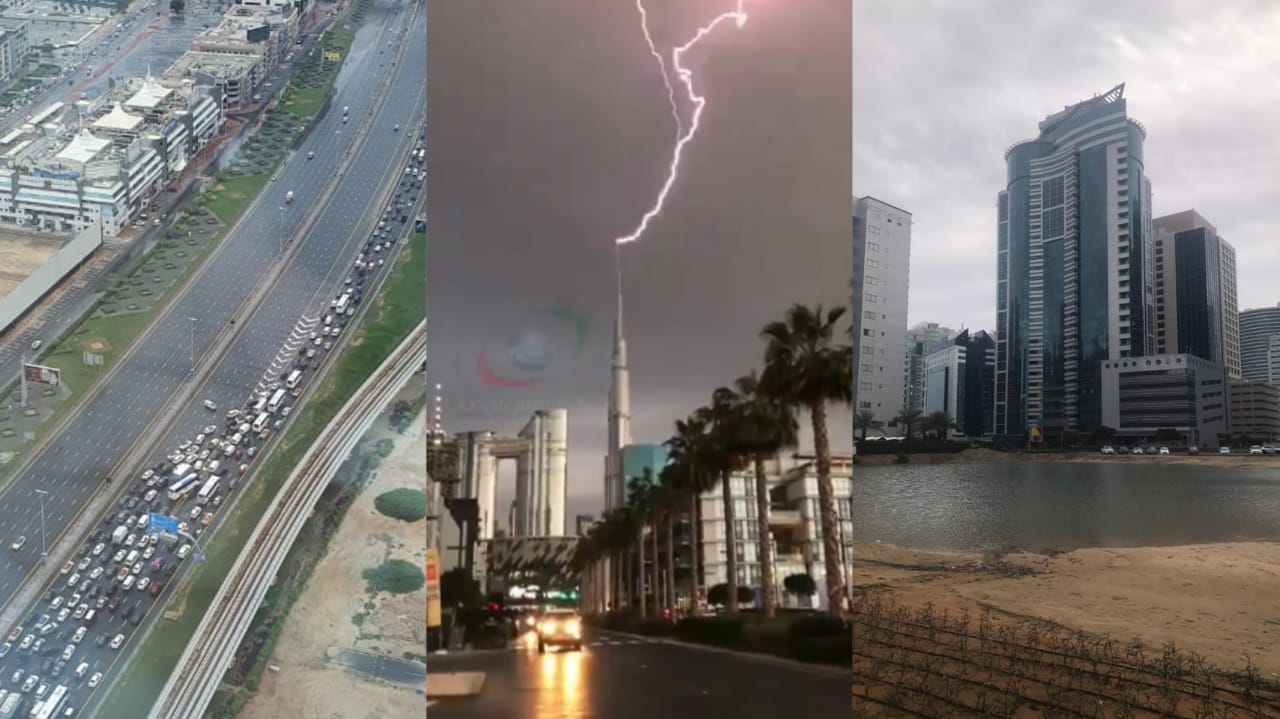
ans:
x=396 y=576
x=725 y=631
x=404 y=504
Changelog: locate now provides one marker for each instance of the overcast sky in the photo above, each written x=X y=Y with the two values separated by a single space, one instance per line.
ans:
x=942 y=88
x=549 y=136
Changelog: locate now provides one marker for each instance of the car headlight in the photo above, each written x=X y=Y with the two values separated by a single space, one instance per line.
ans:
x=548 y=627
x=574 y=627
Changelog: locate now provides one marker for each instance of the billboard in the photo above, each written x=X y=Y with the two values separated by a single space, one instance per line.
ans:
x=41 y=375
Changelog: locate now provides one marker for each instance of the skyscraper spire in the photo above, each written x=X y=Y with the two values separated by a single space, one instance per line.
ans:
x=619 y=403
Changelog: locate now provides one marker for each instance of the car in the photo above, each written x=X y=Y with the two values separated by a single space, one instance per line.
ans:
x=17 y=676
x=1137 y=450
x=146 y=553
x=194 y=514
x=65 y=612
x=84 y=563
x=1255 y=449
x=67 y=566
x=1164 y=450
x=95 y=680
x=156 y=588
x=100 y=602
x=30 y=683
x=27 y=641
x=1108 y=449
x=210 y=405
x=113 y=604
x=69 y=652
x=137 y=567
x=1268 y=449
x=18 y=543
x=130 y=540
x=100 y=640
x=142 y=583
x=73 y=580
x=128 y=582
x=98 y=548
x=80 y=611
x=559 y=627
x=35 y=648
x=119 y=555
x=42 y=690
x=183 y=551
x=1224 y=450
x=199 y=440
x=49 y=628
x=95 y=573
x=79 y=635
x=186 y=444
x=4 y=648
x=210 y=429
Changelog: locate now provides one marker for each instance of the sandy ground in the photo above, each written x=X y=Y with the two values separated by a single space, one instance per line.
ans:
x=305 y=687
x=1217 y=600
x=20 y=255
x=1241 y=458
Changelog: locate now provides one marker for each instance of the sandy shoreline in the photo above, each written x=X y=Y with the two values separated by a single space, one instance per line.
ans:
x=1219 y=600
x=990 y=455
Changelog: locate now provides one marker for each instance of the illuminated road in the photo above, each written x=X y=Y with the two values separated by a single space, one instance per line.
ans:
x=621 y=677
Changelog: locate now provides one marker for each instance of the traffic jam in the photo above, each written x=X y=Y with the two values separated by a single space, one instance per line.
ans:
x=102 y=594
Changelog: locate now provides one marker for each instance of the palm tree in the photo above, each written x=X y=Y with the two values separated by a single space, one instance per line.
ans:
x=806 y=366
x=671 y=498
x=865 y=421
x=909 y=419
x=766 y=426
x=722 y=453
x=940 y=422
x=692 y=478
x=639 y=491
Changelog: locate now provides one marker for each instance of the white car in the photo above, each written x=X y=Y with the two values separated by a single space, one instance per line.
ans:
x=69 y=652
x=195 y=512
x=97 y=572
x=116 y=641
x=143 y=583
x=183 y=551
x=95 y=680
x=79 y=635
x=1255 y=449
x=73 y=580
x=1164 y=450
x=119 y=556
x=98 y=548
x=209 y=405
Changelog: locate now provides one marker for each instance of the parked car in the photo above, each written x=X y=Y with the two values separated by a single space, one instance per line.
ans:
x=1164 y=450
x=1108 y=449
x=1255 y=449
x=1224 y=450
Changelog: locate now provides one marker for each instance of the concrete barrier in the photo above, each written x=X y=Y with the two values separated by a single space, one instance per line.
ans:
x=454 y=684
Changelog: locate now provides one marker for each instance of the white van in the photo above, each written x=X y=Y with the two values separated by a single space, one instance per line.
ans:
x=261 y=421
x=82 y=670
x=142 y=521
x=294 y=377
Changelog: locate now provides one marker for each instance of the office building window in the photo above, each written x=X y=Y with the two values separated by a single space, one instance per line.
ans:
x=872 y=264
x=873 y=247
x=872 y=281
x=870 y=298
x=868 y=315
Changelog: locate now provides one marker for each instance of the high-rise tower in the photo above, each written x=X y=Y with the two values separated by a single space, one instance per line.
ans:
x=1074 y=267
x=619 y=409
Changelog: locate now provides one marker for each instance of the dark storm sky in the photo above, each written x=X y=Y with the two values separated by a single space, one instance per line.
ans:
x=548 y=135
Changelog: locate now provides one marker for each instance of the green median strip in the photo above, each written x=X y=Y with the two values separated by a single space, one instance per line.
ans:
x=399 y=307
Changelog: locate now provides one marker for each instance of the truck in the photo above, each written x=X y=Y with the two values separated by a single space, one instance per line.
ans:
x=288 y=196
x=119 y=534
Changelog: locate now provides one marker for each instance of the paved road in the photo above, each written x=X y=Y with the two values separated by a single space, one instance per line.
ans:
x=623 y=678
x=80 y=456
x=397 y=671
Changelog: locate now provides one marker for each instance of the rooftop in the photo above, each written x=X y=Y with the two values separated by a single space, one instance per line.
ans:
x=118 y=119
x=150 y=95
x=217 y=65
x=83 y=148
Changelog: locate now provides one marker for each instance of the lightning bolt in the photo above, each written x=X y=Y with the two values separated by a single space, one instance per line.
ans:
x=683 y=133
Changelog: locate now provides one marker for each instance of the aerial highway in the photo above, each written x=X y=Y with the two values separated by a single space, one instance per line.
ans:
x=205 y=661
x=115 y=420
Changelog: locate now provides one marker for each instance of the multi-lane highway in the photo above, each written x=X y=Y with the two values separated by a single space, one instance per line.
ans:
x=79 y=456
x=624 y=677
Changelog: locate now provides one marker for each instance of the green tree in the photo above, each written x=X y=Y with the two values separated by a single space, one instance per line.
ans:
x=940 y=423
x=690 y=474
x=865 y=421
x=459 y=589
x=723 y=454
x=720 y=596
x=806 y=366
x=801 y=585
x=405 y=504
x=395 y=576
x=909 y=419
x=765 y=427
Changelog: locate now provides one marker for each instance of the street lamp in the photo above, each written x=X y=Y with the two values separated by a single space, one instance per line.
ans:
x=44 y=551
x=192 y=371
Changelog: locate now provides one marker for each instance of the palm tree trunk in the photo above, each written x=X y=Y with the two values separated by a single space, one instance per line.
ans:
x=831 y=545
x=767 y=590
x=640 y=594
x=731 y=542
x=695 y=552
x=671 y=558
x=656 y=572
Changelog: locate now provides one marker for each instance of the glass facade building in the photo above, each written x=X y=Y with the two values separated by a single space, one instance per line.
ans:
x=881 y=261
x=1257 y=327
x=1196 y=291
x=1074 y=267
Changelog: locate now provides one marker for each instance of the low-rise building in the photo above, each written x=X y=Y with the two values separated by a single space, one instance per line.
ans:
x=1143 y=395
x=1255 y=411
x=99 y=162
x=240 y=52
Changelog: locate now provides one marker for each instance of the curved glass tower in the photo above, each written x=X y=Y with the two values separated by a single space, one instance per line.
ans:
x=1260 y=345
x=1074 y=268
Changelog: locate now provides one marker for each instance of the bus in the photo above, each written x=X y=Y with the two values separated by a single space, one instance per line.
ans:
x=50 y=707
x=294 y=378
x=260 y=422
x=206 y=492
x=274 y=405
x=341 y=304
x=12 y=703
x=183 y=487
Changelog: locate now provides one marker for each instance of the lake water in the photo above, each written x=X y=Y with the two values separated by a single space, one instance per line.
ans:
x=1039 y=506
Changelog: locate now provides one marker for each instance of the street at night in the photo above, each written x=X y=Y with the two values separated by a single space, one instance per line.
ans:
x=624 y=677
